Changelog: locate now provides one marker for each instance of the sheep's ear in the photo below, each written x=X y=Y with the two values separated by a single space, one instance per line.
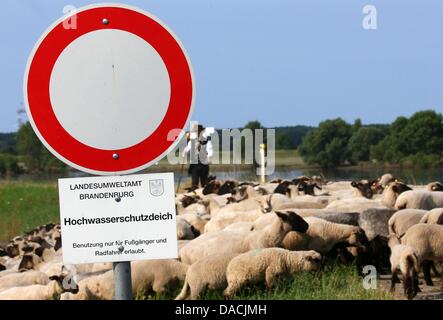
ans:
x=56 y=278
x=282 y=216
x=395 y=188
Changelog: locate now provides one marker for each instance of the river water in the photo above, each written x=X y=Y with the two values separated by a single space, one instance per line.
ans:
x=408 y=175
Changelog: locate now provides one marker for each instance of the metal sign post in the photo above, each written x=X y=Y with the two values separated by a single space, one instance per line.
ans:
x=123 y=280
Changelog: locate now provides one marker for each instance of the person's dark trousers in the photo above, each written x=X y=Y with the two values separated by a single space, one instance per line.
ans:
x=199 y=173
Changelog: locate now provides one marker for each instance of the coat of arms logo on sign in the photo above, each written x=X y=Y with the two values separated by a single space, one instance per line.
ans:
x=156 y=187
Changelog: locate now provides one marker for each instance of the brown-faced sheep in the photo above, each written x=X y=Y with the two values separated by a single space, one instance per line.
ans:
x=226 y=242
x=265 y=265
x=404 y=258
x=432 y=216
x=434 y=186
x=427 y=241
x=402 y=220
x=160 y=276
x=207 y=273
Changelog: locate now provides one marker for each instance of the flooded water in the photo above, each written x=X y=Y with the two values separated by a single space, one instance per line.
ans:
x=409 y=175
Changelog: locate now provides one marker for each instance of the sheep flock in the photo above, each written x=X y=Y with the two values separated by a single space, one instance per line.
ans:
x=234 y=234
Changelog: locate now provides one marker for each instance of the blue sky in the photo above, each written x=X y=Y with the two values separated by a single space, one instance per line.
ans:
x=282 y=62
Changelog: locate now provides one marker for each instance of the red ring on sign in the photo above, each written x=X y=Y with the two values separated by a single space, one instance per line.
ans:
x=59 y=139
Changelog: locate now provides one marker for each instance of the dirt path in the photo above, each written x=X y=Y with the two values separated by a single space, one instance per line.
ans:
x=428 y=292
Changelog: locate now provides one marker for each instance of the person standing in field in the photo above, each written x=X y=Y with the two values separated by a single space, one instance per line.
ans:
x=200 y=147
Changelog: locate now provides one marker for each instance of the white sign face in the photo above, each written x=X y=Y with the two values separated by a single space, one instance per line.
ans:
x=122 y=218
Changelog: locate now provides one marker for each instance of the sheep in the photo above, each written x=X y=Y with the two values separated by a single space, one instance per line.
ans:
x=37 y=291
x=196 y=220
x=356 y=204
x=434 y=186
x=217 y=187
x=29 y=261
x=405 y=258
x=206 y=273
x=363 y=188
x=185 y=231
x=323 y=235
x=23 y=279
x=350 y=218
x=427 y=240
x=375 y=221
x=386 y=179
x=419 y=199
x=402 y=220
x=432 y=216
x=160 y=276
x=225 y=242
x=392 y=191
x=308 y=188
x=266 y=265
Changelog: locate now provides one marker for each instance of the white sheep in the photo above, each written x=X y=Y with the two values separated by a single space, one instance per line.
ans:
x=206 y=273
x=226 y=242
x=427 y=241
x=159 y=276
x=402 y=220
x=323 y=235
x=432 y=216
x=264 y=265
x=404 y=258
x=24 y=279
x=419 y=199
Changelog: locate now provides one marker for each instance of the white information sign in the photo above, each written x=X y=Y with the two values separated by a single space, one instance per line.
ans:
x=121 y=218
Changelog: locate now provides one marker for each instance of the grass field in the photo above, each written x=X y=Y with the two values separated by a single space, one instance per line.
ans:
x=336 y=282
x=23 y=206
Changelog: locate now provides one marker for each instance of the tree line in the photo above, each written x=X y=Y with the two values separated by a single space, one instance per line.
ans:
x=413 y=141
x=417 y=140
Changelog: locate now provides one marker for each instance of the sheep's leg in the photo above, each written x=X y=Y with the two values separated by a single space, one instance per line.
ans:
x=426 y=266
x=434 y=270
x=269 y=277
x=231 y=289
x=394 y=279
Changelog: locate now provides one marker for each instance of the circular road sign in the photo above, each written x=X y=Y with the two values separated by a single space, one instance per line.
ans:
x=107 y=96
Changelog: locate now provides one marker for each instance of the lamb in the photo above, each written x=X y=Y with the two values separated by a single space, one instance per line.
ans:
x=434 y=186
x=323 y=235
x=266 y=265
x=419 y=199
x=206 y=273
x=160 y=276
x=405 y=258
x=402 y=220
x=427 y=240
x=23 y=279
x=37 y=291
x=432 y=216
x=226 y=242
